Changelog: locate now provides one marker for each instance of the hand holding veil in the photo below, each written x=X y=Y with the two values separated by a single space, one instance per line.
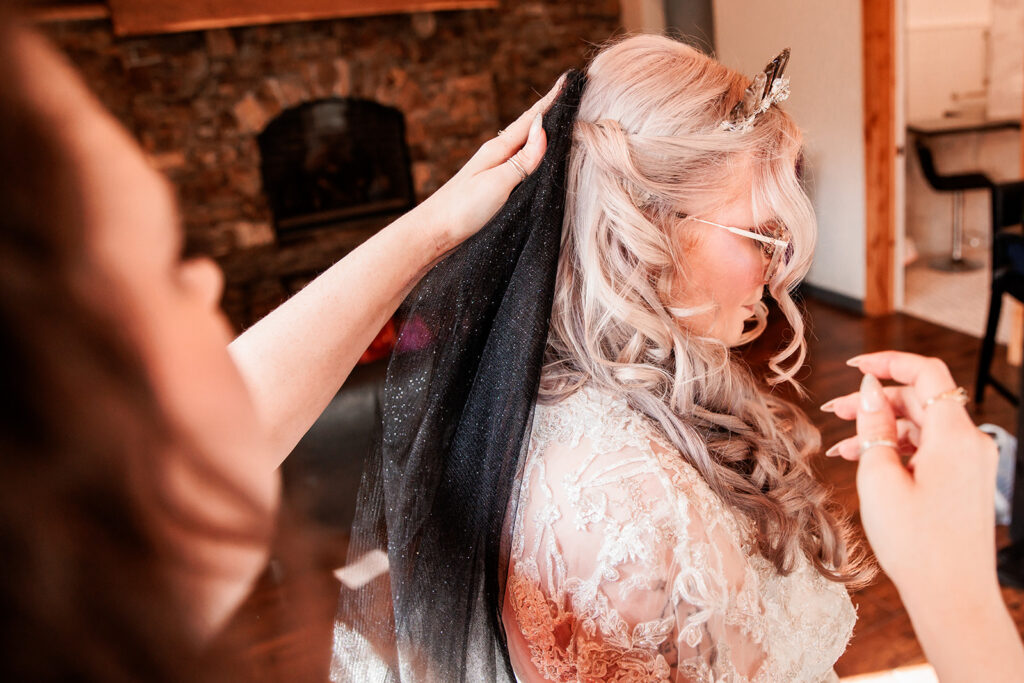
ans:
x=457 y=404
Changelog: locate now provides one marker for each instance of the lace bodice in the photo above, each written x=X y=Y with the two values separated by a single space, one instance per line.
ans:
x=625 y=566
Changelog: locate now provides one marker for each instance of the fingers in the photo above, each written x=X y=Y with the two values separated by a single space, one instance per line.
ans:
x=518 y=129
x=500 y=149
x=903 y=400
x=530 y=155
x=908 y=436
x=469 y=199
x=928 y=376
x=519 y=165
x=880 y=466
x=544 y=103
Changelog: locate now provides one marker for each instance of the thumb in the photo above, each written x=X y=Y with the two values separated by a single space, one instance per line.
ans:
x=880 y=468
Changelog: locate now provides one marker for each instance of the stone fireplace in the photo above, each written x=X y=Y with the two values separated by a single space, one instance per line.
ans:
x=204 y=103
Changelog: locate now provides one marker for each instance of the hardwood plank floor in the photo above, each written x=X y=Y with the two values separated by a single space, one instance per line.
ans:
x=285 y=627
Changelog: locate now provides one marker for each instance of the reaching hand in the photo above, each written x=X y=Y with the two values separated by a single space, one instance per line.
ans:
x=465 y=203
x=930 y=521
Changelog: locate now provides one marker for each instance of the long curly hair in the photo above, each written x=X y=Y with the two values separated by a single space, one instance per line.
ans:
x=646 y=145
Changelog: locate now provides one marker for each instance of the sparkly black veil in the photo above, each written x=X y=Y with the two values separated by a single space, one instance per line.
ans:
x=457 y=405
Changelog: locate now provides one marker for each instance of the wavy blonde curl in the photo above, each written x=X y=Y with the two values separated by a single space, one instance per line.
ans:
x=647 y=143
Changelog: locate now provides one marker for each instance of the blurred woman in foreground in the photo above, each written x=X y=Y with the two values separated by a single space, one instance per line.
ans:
x=140 y=448
x=141 y=444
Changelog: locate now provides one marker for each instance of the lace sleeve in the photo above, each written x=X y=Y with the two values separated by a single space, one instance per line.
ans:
x=625 y=567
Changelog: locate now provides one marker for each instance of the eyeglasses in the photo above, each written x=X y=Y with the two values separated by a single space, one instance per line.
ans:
x=774 y=240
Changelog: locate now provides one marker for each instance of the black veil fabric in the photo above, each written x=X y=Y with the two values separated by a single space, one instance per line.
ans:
x=457 y=405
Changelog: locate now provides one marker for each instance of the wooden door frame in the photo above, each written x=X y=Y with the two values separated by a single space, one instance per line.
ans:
x=879 y=87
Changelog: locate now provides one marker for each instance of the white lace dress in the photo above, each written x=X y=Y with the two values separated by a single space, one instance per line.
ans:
x=625 y=566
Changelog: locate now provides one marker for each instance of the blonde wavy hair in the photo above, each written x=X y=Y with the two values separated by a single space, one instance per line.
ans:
x=647 y=144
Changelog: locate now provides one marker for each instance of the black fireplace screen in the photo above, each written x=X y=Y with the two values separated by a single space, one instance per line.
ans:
x=333 y=161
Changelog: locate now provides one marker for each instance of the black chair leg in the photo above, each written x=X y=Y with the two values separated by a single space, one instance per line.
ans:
x=988 y=344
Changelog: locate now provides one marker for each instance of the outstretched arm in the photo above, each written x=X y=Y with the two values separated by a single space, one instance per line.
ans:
x=295 y=359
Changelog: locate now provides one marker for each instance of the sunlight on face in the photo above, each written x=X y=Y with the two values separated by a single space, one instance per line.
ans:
x=723 y=272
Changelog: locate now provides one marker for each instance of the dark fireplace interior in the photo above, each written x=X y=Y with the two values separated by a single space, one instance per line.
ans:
x=333 y=161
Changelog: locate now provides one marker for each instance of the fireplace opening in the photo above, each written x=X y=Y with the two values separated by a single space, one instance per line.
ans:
x=333 y=162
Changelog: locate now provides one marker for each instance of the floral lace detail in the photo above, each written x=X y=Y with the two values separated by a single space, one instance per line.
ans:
x=548 y=627
x=625 y=566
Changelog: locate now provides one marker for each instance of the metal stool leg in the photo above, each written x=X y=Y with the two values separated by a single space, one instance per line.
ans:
x=957 y=248
x=956 y=261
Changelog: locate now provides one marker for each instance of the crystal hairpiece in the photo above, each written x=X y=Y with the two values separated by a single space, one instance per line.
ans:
x=769 y=87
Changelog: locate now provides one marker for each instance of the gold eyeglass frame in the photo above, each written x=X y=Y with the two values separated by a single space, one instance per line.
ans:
x=772 y=247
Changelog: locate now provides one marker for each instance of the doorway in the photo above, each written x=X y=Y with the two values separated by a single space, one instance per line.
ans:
x=959 y=68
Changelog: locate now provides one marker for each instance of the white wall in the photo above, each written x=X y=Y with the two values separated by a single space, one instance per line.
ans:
x=923 y=13
x=827 y=103
x=1006 y=59
x=964 y=55
x=955 y=47
x=946 y=67
x=947 y=52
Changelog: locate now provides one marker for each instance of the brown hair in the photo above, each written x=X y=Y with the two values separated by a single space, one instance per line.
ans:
x=84 y=594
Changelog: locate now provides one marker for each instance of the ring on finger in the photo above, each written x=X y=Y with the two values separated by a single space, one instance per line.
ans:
x=867 y=444
x=518 y=166
x=959 y=395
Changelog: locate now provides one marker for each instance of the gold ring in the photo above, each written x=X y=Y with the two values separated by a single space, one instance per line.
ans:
x=518 y=166
x=959 y=395
x=868 y=444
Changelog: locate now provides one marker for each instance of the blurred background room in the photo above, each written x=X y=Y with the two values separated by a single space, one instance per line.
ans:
x=291 y=131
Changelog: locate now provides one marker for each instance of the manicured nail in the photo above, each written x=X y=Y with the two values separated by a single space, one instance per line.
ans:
x=855 y=361
x=535 y=127
x=833 y=451
x=871 y=397
x=828 y=406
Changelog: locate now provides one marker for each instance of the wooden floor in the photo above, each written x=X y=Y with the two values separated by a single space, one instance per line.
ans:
x=285 y=625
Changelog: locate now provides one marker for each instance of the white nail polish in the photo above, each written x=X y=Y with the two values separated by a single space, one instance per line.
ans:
x=535 y=127
x=871 y=397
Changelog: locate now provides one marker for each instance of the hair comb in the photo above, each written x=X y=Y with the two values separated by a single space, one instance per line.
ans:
x=769 y=87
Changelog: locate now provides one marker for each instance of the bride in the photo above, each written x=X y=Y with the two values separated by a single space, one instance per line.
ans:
x=669 y=526
x=577 y=479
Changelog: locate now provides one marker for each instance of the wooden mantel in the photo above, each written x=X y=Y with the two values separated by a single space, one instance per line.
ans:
x=143 y=17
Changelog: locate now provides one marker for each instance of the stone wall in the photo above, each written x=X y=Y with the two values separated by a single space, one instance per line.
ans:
x=195 y=101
